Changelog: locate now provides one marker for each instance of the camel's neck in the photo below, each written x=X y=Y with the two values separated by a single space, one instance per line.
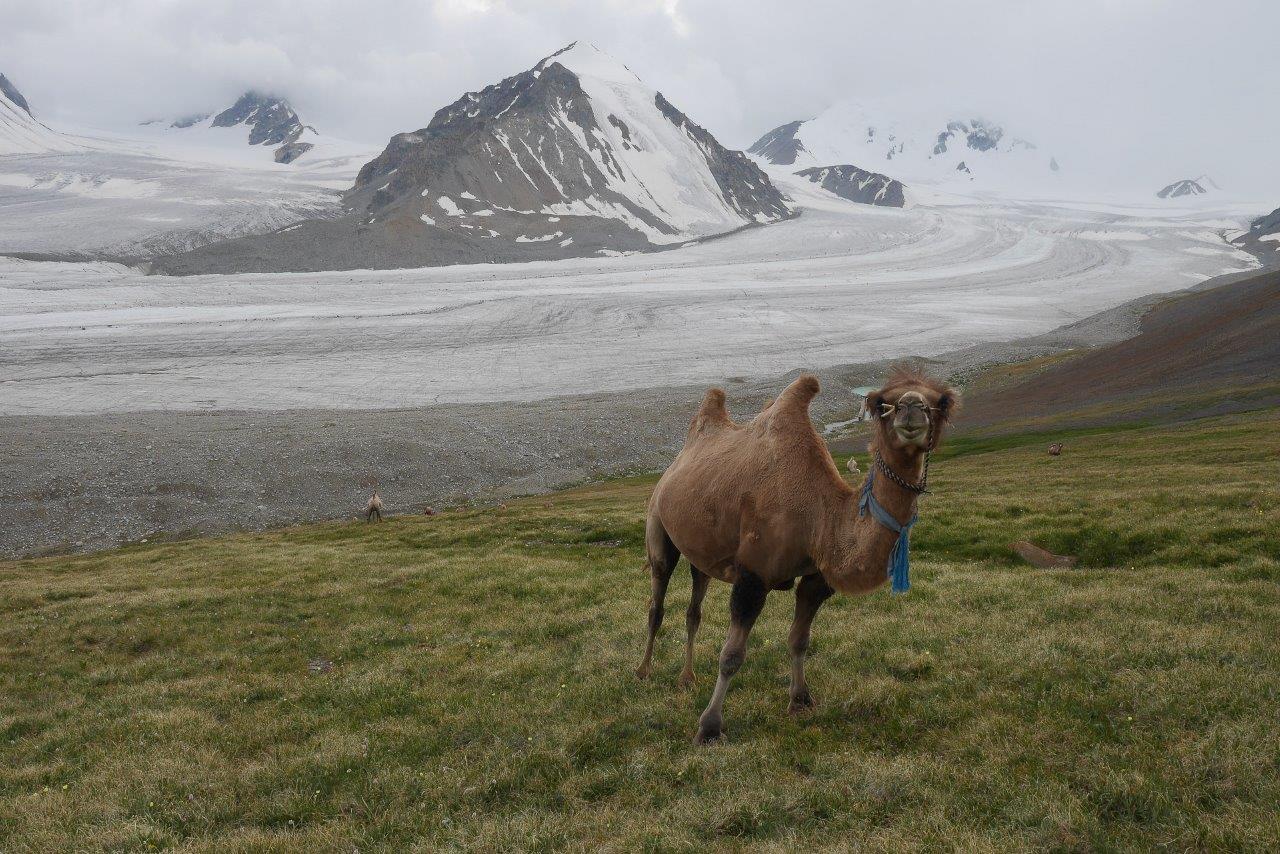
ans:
x=856 y=548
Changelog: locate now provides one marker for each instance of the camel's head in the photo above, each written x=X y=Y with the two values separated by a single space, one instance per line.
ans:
x=912 y=410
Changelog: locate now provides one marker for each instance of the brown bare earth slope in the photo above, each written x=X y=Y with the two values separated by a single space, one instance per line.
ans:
x=1204 y=352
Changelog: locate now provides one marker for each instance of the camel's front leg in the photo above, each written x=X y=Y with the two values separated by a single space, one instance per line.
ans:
x=811 y=592
x=745 y=604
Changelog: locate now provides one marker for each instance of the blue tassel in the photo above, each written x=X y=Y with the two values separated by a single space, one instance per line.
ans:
x=900 y=562
x=899 y=572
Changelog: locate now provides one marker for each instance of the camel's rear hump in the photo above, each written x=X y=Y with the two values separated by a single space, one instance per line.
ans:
x=796 y=397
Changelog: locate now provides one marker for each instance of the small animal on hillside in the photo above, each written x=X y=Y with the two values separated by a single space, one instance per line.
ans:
x=373 y=508
x=762 y=506
x=1055 y=450
x=852 y=466
x=1037 y=556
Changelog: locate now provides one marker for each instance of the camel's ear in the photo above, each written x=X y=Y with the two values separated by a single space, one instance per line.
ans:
x=874 y=401
x=949 y=405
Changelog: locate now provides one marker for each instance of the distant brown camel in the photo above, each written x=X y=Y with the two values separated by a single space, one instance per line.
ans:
x=373 y=508
x=761 y=504
x=1055 y=449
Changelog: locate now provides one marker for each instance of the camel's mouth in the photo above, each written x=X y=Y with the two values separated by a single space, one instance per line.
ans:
x=912 y=435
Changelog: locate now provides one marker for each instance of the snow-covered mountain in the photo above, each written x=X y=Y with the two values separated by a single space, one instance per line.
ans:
x=20 y=131
x=857 y=185
x=1185 y=187
x=575 y=156
x=255 y=119
x=578 y=136
x=168 y=187
x=916 y=148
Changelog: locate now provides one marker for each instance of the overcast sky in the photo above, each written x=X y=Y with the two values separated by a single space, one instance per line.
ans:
x=1146 y=89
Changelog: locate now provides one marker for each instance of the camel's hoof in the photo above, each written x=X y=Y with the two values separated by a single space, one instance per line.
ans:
x=686 y=680
x=710 y=729
x=642 y=672
x=801 y=704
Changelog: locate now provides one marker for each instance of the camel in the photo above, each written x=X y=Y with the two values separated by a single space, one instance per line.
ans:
x=761 y=504
x=373 y=508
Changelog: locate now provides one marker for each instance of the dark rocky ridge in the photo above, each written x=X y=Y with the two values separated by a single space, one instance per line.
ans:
x=188 y=121
x=291 y=151
x=857 y=185
x=1268 y=224
x=780 y=145
x=1253 y=240
x=742 y=183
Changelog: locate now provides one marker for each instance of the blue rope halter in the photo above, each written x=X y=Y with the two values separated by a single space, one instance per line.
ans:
x=899 y=573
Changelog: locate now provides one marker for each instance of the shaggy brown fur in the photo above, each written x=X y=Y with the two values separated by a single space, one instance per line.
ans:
x=373 y=508
x=760 y=504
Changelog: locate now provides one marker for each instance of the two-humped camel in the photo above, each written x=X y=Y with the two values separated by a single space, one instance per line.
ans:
x=761 y=504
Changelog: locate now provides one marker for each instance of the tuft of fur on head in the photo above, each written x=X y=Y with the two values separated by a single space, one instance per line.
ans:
x=906 y=377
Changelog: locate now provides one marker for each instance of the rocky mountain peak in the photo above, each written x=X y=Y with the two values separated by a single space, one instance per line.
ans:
x=578 y=140
x=270 y=119
x=1185 y=187
x=781 y=146
x=12 y=94
x=978 y=135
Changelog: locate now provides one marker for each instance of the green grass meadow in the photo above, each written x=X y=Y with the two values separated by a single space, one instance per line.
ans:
x=465 y=681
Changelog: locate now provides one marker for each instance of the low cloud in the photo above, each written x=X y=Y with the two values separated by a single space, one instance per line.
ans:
x=1141 y=91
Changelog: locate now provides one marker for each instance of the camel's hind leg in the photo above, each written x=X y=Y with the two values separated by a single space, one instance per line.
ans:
x=693 y=619
x=663 y=557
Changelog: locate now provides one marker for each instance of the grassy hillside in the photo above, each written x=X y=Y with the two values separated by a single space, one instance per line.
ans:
x=481 y=696
x=1198 y=353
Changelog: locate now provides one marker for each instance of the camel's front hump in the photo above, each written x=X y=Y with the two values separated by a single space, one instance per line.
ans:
x=714 y=491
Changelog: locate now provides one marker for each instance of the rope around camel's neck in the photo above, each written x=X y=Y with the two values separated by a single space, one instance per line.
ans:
x=903 y=477
x=864 y=544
